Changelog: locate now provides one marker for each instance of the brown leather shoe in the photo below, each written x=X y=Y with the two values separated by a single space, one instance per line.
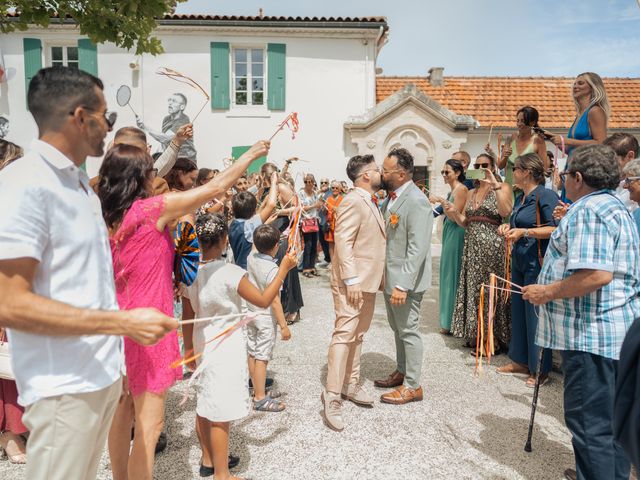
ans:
x=402 y=395
x=394 y=380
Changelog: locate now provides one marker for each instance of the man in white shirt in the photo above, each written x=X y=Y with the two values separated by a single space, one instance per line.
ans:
x=57 y=294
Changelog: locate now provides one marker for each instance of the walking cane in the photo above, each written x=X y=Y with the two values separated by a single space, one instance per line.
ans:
x=534 y=402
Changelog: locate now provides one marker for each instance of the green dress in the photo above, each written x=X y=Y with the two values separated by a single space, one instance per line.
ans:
x=450 y=261
x=511 y=161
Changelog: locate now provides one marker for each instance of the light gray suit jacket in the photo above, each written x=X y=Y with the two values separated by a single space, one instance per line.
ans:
x=408 y=263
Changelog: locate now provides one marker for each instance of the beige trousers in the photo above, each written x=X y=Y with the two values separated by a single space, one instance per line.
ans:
x=68 y=434
x=343 y=364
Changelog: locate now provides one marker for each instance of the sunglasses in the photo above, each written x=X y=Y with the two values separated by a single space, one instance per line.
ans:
x=324 y=183
x=308 y=181
x=109 y=117
x=444 y=172
x=481 y=165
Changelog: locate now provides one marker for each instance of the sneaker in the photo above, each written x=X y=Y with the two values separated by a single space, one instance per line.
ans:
x=332 y=410
x=357 y=394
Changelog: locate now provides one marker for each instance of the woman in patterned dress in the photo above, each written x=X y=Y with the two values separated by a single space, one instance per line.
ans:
x=484 y=253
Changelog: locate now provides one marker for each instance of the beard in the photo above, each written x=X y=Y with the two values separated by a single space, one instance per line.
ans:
x=385 y=185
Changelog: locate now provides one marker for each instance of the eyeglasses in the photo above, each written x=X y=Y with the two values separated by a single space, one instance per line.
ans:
x=627 y=181
x=109 y=117
x=324 y=183
x=481 y=165
x=370 y=170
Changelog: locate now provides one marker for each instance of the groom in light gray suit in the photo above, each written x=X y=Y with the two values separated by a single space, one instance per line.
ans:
x=409 y=220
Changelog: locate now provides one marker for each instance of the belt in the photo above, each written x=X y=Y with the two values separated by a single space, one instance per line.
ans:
x=492 y=221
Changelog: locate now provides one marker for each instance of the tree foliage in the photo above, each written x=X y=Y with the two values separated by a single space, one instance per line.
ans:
x=127 y=23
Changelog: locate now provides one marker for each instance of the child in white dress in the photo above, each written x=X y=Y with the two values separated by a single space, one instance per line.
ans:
x=222 y=391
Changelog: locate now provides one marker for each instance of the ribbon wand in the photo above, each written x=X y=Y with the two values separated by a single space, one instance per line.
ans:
x=294 y=127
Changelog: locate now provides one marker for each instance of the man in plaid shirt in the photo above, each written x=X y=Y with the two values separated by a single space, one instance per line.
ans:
x=589 y=289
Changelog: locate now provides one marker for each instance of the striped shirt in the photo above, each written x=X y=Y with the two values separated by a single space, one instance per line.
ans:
x=597 y=233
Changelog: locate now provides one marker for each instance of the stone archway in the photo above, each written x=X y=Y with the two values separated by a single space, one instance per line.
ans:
x=420 y=144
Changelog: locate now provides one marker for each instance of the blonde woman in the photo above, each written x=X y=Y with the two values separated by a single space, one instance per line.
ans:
x=592 y=111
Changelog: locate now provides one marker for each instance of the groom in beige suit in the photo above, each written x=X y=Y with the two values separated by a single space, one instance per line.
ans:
x=356 y=275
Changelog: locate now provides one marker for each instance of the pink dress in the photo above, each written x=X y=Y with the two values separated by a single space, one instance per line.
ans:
x=143 y=265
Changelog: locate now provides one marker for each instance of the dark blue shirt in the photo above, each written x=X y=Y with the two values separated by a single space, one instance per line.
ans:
x=524 y=216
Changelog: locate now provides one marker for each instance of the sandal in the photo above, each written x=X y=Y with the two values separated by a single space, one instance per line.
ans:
x=274 y=393
x=268 y=404
x=531 y=381
x=445 y=332
x=16 y=458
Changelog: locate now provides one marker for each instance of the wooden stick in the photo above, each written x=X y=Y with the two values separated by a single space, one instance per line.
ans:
x=199 y=111
x=208 y=319
x=490 y=131
x=505 y=280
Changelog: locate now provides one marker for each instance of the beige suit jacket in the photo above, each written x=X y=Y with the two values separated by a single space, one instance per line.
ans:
x=359 y=242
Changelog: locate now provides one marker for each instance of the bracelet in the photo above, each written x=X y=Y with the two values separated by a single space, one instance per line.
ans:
x=496 y=188
x=173 y=145
x=279 y=278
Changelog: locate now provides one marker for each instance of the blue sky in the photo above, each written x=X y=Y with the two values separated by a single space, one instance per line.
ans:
x=482 y=37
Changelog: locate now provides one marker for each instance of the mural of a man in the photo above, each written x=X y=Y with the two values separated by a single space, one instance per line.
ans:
x=170 y=124
x=4 y=126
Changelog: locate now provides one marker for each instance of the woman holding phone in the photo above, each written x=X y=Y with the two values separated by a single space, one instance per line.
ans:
x=483 y=252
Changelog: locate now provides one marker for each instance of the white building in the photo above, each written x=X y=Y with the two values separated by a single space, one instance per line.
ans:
x=256 y=69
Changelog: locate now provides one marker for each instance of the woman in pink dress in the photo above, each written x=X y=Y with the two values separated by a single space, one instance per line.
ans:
x=143 y=251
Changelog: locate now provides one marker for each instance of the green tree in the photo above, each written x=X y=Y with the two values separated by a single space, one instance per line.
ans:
x=127 y=23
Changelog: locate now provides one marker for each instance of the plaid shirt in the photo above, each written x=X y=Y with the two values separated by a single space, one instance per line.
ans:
x=597 y=233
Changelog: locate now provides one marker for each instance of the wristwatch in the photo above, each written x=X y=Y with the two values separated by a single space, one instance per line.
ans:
x=526 y=233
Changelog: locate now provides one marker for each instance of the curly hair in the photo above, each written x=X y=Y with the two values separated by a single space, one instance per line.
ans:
x=125 y=176
x=404 y=158
x=598 y=166
x=211 y=228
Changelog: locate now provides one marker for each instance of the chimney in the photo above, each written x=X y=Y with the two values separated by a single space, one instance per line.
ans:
x=260 y=13
x=436 y=76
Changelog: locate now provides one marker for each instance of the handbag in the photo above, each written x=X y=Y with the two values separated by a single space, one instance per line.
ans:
x=309 y=225
x=6 y=372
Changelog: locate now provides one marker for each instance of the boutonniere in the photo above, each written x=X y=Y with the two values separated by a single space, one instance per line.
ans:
x=394 y=218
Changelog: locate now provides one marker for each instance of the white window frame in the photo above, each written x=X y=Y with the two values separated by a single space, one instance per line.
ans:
x=48 y=54
x=248 y=106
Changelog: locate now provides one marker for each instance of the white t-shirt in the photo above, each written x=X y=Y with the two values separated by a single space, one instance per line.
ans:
x=50 y=213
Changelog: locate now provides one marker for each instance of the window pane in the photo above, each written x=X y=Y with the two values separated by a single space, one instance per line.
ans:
x=241 y=83
x=72 y=54
x=241 y=98
x=56 y=54
x=256 y=56
x=241 y=69
x=56 y=64
x=241 y=55
x=73 y=64
x=258 y=98
x=258 y=85
x=257 y=69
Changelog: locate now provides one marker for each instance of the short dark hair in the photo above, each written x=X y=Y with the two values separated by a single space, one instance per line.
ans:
x=529 y=115
x=203 y=173
x=356 y=164
x=456 y=166
x=404 y=157
x=124 y=176
x=598 y=166
x=56 y=91
x=623 y=143
x=210 y=228
x=244 y=205
x=265 y=237
x=183 y=165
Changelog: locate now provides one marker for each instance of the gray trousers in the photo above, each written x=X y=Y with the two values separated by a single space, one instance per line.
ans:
x=405 y=323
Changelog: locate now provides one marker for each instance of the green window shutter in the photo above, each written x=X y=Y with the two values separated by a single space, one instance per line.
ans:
x=237 y=152
x=88 y=56
x=32 y=59
x=276 y=75
x=220 y=94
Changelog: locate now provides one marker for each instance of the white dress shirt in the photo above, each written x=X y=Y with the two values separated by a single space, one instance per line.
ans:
x=50 y=213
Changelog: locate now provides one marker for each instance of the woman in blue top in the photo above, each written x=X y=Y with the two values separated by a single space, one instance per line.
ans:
x=531 y=225
x=592 y=111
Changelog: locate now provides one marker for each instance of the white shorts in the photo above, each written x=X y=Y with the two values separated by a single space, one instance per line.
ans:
x=261 y=337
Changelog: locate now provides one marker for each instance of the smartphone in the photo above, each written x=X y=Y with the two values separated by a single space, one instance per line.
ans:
x=475 y=174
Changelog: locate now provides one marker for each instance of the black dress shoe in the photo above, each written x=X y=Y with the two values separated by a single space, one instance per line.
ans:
x=570 y=474
x=208 y=471
x=162 y=443
x=268 y=383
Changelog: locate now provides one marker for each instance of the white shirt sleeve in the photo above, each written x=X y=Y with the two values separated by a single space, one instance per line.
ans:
x=250 y=226
x=24 y=228
x=167 y=160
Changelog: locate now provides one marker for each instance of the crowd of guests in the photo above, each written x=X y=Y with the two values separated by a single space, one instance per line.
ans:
x=101 y=297
x=566 y=245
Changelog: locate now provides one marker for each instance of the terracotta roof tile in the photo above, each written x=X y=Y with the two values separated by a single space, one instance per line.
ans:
x=495 y=100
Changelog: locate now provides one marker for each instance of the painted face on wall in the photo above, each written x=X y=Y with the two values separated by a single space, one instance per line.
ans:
x=175 y=104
